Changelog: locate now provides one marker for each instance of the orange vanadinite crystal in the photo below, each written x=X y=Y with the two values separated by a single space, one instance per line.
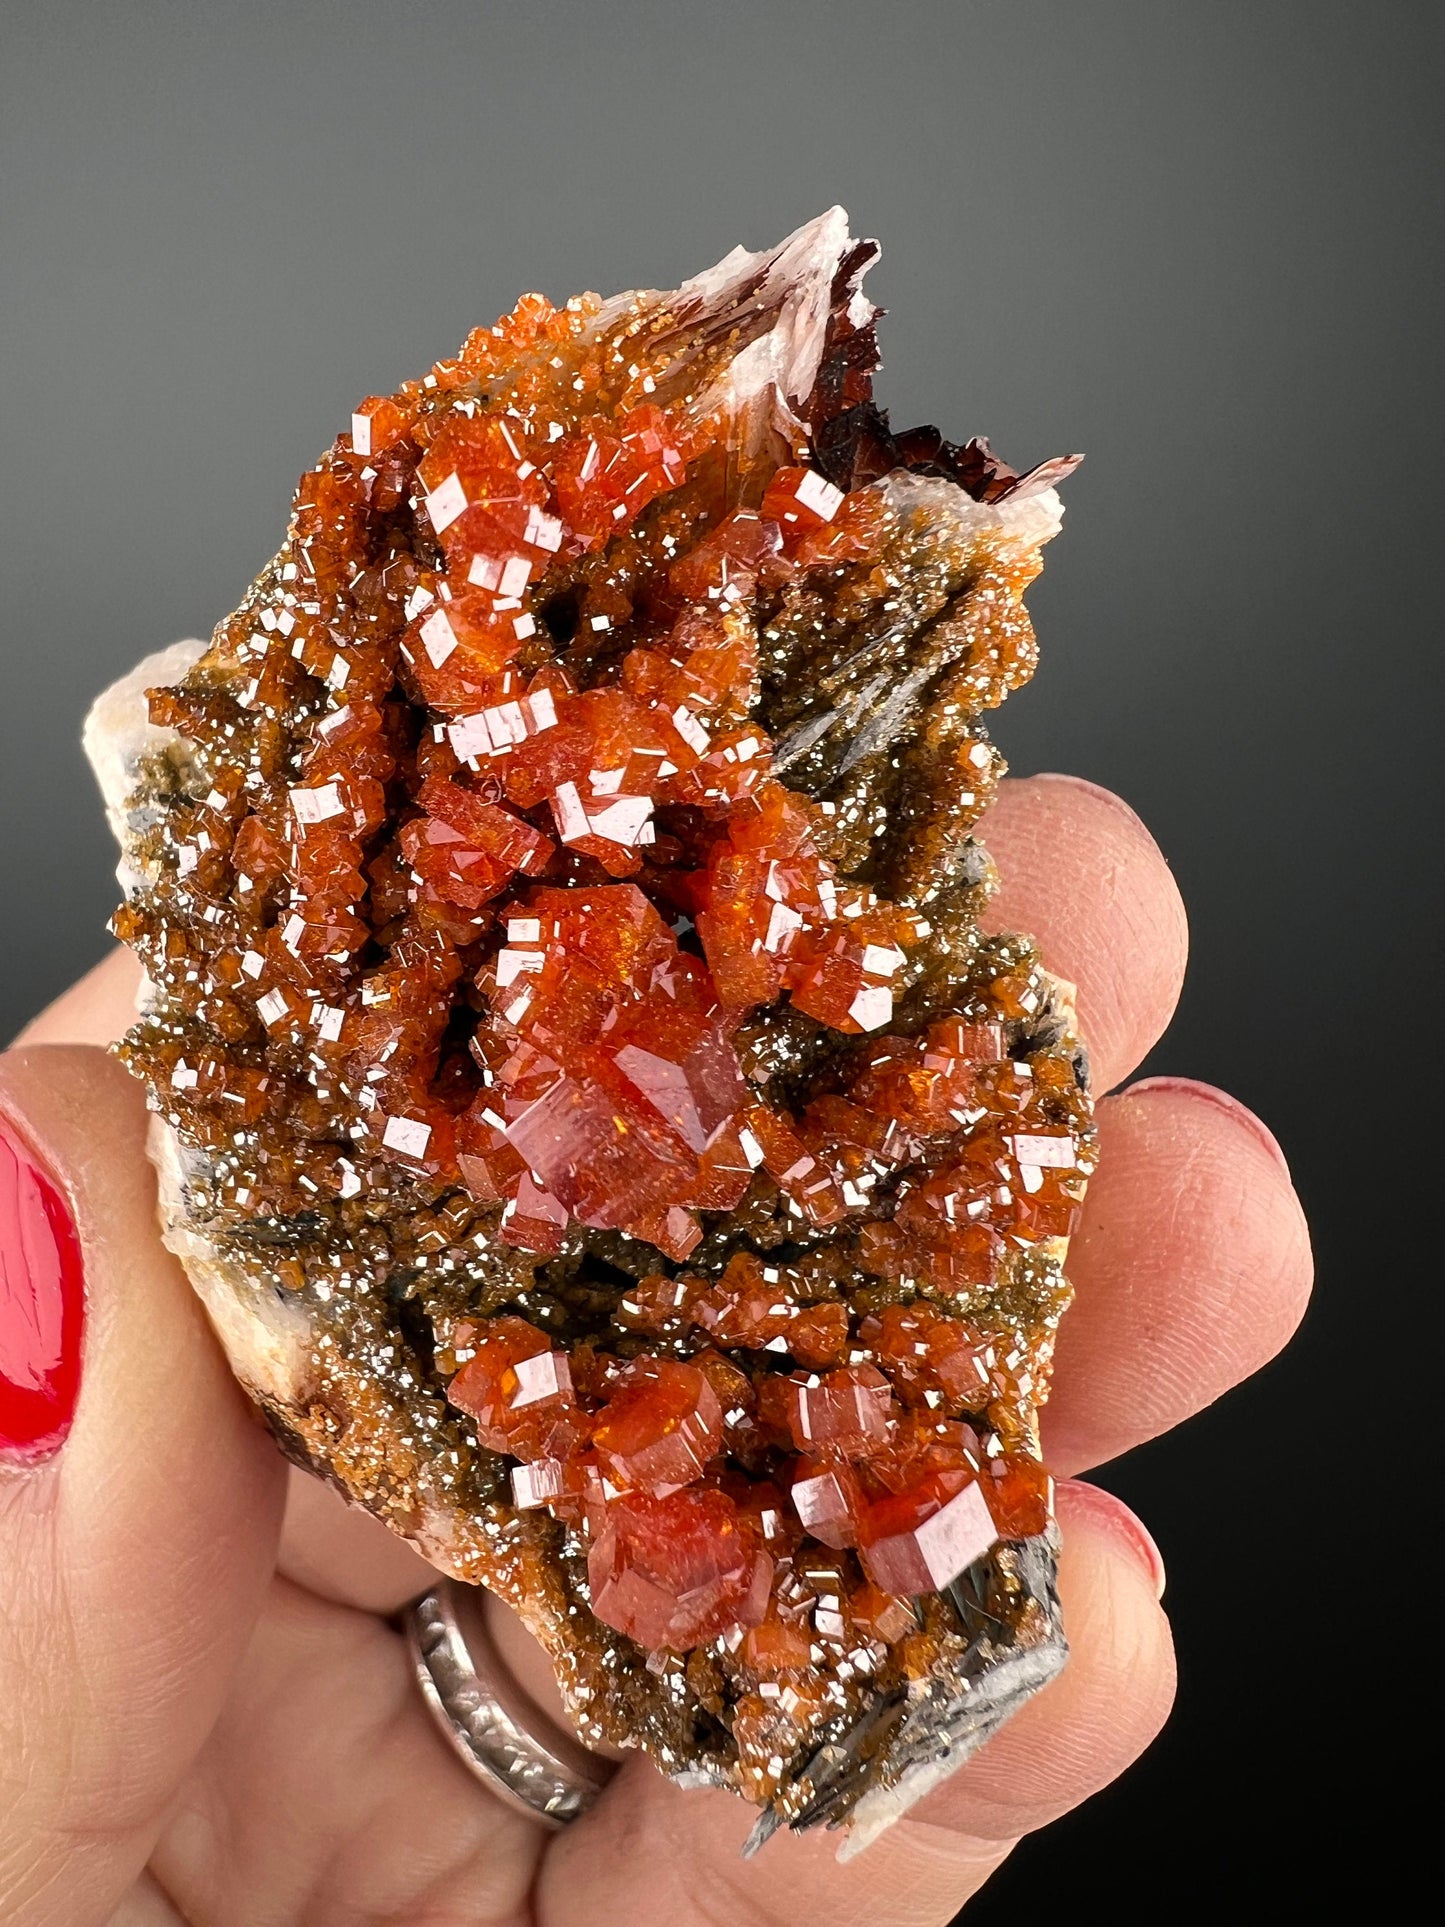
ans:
x=674 y=1571
x=659 y=1428
x=570 y=932
x=518 y=1390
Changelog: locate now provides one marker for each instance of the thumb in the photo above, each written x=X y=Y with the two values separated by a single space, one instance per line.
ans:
x=140 y=1501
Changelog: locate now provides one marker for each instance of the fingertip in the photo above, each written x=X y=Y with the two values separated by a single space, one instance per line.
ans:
x=1193 y=1087
x=1246 y=1199
x=1192 y=1268
x=1095 y=794
x=1111 y=1585
x=97 y=1010
x=154 y=1384
x=1103 y=1512
x=1082 y=875
x=1106 y=1706
x=129 y=1586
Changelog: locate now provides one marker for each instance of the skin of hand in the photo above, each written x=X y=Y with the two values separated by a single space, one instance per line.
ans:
x=205 y=1715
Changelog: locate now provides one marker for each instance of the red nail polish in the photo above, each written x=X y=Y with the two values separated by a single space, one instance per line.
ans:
x=42 y=1305
x=1119 y=1519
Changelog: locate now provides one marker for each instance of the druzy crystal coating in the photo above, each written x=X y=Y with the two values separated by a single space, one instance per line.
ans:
x=567 y=996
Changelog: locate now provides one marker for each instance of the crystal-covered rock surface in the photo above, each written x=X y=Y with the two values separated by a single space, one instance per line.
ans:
x=606 y=1143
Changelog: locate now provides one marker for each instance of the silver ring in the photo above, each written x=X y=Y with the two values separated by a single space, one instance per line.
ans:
x=519 y=1753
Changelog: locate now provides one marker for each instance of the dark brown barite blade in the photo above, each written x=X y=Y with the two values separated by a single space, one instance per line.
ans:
x=605 y=1142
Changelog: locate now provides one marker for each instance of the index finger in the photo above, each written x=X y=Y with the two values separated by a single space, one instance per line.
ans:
x=1082 y=876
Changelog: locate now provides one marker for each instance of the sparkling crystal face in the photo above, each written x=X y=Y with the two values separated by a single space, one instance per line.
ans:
x=563 y=929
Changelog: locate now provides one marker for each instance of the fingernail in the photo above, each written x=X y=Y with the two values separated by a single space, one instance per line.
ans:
x=42 y=1305
x=1115 y=803
x=1241 y=1113
x=1147 y=1547
x=1124 y=1524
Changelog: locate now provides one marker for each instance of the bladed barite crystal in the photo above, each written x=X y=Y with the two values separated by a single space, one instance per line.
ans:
x=607 y=1144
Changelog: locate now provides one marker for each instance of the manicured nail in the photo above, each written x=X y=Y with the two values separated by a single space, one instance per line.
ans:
x=42 y=1305
x=1210 y=1094
x=1147 y=1547
x=1122 y=1522
x=1115 y=802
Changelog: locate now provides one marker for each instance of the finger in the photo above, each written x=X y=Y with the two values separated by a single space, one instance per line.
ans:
x=340 y=1553
x=146 y=1905
x=1072 y=1739
x=100 y=1009
x=1106 y=1706
x=1082 y=875
x=327 y=1795
x=134 y=1558
x=1191 y=1269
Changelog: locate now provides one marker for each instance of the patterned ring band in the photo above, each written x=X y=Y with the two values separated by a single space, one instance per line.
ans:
x=522 y=1756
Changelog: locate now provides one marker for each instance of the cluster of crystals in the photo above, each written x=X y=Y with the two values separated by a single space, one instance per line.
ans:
x=466 y=910
x=611 y=1093
x=776 y=1512
x=344 y=893
x=697 y=1471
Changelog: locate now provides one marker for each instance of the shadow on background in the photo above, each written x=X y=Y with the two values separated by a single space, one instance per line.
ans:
x=1190 y=240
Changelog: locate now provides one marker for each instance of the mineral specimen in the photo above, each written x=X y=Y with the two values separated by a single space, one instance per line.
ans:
x=606 y=1143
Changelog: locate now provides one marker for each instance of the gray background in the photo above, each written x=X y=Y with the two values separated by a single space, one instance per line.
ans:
x=1194 y=240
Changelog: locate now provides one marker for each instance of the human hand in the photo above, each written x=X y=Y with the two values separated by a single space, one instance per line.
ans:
x=205 y=1714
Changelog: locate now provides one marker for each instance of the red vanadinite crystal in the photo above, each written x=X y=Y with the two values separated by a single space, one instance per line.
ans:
x=672 y=1572
x=609 y=472
x=781 y=1643
x=748 y=1308
x=1020 y=1496
x=878 y=1614
x=844 y=1412
x=800 y=500
x=659 y=1428
x=616 y=1075
x=828 y=1500
x=518 y=1390
x=466 y=850
x=918 y=1540
x=932 y=1359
